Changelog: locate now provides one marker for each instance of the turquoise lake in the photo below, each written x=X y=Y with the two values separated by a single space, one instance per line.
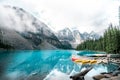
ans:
x=45 y=65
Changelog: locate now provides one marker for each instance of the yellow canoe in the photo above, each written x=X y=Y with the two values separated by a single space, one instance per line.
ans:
x=86 y=61
x=93 y=61
x=78 y=61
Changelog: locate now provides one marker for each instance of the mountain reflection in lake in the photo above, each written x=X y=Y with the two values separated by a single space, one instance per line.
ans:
x=44 y=65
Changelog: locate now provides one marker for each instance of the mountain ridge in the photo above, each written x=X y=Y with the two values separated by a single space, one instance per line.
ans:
x=74 y=37
x=25 y=29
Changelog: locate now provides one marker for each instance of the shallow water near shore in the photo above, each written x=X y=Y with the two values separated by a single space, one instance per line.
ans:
x=45 y=65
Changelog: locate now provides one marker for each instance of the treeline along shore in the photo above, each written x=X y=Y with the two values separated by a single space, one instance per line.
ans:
x=109 y=42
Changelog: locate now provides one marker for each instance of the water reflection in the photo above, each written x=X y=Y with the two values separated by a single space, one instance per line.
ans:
x=44 y=65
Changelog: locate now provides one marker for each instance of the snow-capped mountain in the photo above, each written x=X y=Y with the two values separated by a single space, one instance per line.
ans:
x=65 y=34
x=94 y=35
x=91 y=35
x=21 y=30
x=74 y=37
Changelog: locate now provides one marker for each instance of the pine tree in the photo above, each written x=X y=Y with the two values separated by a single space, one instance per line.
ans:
x=110 y=42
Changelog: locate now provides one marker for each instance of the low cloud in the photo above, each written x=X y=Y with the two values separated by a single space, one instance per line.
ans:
x=15 y=19
x=86 y=15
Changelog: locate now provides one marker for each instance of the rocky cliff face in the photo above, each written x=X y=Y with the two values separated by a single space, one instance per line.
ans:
x=21 y=30
x=74 y=37
x=11 y=39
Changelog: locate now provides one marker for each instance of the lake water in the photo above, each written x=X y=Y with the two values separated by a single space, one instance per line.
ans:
x=45 y=65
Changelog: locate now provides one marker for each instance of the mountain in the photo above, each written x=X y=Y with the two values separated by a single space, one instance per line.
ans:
x=21 y=30
x=74 y=37
x=65 y=34
x=10 y=39
x=91 y=35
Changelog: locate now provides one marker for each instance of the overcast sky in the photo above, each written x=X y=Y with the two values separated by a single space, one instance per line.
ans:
x=85 y=15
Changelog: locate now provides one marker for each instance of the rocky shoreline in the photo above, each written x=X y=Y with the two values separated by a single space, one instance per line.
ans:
x=105 y=58
x=102 y=59
x=114 y=58
x=108 y=76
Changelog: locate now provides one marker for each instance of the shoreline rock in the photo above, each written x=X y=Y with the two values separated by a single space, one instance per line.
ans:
x=108 y=76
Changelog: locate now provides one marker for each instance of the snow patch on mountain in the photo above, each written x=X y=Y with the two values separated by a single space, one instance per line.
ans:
x=74 y=37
